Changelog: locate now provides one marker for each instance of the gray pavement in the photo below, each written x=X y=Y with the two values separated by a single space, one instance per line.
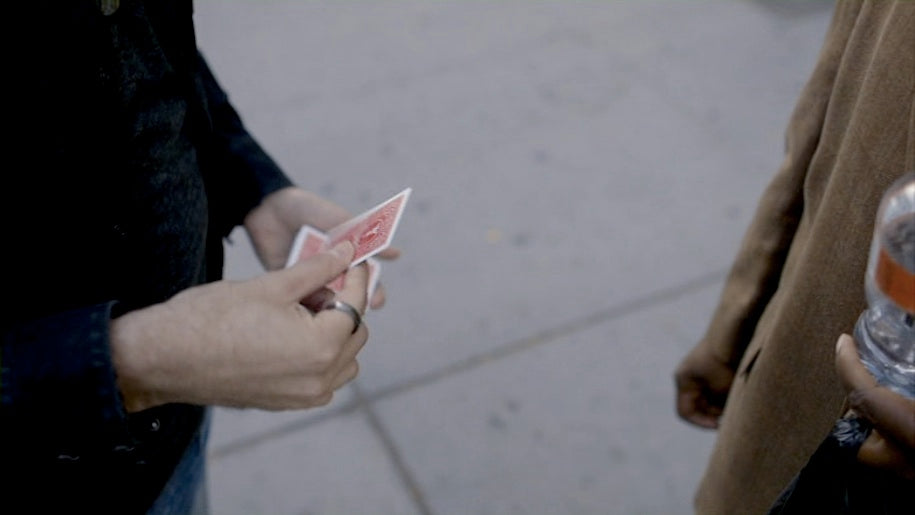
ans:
x=582 y=173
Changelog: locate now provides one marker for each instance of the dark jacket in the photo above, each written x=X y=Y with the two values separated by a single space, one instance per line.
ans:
x=134 y=168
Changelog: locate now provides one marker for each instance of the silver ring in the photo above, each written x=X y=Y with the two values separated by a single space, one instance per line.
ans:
x=339 y=305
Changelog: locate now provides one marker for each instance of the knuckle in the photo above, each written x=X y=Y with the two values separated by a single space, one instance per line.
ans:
x=315 y=389
x=325 y=356
x=324 y=400
x=354 y=370
x=857 y=399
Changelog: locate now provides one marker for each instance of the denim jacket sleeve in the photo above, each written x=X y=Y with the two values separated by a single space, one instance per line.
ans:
x=58 y=383
x=239 y=172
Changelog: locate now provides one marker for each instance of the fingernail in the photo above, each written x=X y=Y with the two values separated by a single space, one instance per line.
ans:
x=841 y=342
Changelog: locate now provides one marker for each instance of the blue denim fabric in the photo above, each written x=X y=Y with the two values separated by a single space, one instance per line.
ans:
x=186 y=491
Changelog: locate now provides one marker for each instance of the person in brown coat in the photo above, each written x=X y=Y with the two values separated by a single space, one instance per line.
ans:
x=764 y=373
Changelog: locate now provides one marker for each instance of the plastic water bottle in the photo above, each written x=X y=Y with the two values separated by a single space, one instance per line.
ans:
x=885 y=332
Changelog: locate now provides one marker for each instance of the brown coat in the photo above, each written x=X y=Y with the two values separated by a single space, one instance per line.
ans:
x=797 y=281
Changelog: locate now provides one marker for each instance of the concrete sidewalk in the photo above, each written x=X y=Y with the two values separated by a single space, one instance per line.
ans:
x=582 y=173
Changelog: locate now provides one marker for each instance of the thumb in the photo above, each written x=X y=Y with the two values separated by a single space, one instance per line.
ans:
x=852 y=373
x=307 y=276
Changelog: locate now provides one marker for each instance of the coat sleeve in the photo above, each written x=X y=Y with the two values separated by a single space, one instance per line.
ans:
x=239 y=173
x=757 y=267
x=756 y=270
x=58 y=386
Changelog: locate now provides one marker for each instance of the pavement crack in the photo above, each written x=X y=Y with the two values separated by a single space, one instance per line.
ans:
x=403 y=472
x=365 y=400
x=651 y=299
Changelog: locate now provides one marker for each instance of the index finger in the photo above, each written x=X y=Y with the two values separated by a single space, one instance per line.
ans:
x=689 y=408
x=355 y=287
x=389 y=254
x=892 y=414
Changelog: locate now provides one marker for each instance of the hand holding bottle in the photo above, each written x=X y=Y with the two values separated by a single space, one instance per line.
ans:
x=891 y=444
x=885 y=332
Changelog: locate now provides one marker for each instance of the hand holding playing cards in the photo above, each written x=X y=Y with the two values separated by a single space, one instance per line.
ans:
x=371 y=232
x=272 y=227
x=244 y=343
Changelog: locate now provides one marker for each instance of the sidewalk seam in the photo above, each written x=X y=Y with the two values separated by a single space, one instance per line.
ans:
x=548 y=335
x=365 y=400
x=403 y=472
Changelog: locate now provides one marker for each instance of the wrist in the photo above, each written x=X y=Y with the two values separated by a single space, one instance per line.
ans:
x=132 y=341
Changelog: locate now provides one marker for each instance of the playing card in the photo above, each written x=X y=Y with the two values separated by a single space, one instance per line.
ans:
x=372 y=231
x=308 y=242
x=374 y=273
x=374 y=270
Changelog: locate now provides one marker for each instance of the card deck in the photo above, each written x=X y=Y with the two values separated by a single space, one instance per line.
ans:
x=371 y=232
x=374 y=273
x=308 y=242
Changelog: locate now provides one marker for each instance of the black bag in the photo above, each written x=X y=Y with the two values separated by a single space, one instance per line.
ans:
x=833 y=482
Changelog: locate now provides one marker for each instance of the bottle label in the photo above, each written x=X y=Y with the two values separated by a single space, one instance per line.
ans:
x=895 y=269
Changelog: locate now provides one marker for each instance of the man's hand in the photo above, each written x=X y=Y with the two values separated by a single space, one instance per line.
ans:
x=703 y=382
x=273 y=224
x=891 y=445
x=244 y=343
